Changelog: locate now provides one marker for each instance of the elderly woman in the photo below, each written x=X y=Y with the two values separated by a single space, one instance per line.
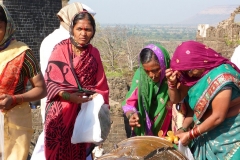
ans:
x=17 y=66
x=73 y=66
x=65 y=16
x=210 y=85
x=147 y=102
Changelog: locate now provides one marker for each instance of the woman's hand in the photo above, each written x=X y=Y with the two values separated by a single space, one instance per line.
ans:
x=176 y=90
x=171 y=76
x=179 y=131
x=79 y=98
x=133 y=120
x=6 y=102
x=184 y=138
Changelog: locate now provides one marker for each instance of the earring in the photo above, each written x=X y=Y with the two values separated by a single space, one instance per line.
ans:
x=190 y=71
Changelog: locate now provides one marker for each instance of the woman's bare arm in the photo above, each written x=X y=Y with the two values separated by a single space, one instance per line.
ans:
x=187 y=120
x=37 y=92
x=220 y=107
x=178 y=94
x=189 y=117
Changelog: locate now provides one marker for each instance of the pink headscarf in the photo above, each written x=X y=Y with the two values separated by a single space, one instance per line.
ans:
x=194 y=55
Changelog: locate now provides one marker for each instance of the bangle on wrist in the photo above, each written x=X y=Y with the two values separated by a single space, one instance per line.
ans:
x=66 y=96
x=21 y=96
x=194 y=133
x=190 y=135
x=171 y=85
x=184 y=129
x=199 y=130
x=13 y=99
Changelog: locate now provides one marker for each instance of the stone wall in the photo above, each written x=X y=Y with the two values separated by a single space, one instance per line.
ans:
x=34 y=19
x=225 y=37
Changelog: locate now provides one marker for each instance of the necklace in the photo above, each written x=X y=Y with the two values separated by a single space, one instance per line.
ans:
x=76 y=51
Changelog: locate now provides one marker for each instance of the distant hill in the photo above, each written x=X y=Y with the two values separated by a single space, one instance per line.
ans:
x=212 y=15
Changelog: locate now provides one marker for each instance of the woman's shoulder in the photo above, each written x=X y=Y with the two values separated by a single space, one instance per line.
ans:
x=17 y=47
x=94 y=49
x=17 y=44
x=63 y=43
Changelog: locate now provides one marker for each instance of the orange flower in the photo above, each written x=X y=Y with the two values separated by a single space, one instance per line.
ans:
x=170 y=136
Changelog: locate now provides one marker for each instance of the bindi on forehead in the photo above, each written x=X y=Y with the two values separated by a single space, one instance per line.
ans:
x=150 y=68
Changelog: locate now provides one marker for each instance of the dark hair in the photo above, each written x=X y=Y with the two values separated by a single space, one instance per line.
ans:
x=85 y=15
x=147 y=55
x=2 y=15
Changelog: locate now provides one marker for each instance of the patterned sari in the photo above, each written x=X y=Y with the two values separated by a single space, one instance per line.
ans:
x=68 y=73
x=150 y=99
x=222 y=142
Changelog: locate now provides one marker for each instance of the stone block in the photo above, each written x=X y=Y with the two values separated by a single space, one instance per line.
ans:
x=34 y=20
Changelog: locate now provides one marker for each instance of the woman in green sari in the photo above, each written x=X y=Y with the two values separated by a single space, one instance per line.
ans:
x=210 y=85
x=147 y=102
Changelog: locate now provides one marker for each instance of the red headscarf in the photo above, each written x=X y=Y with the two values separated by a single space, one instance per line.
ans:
x=194 y=55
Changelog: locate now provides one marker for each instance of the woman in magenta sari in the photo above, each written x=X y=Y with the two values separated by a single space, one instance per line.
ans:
x=74 y=65
x=211 y=87
x=147 y=104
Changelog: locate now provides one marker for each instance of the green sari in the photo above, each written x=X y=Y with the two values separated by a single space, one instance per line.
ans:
x=222 y=142
x=152 y=99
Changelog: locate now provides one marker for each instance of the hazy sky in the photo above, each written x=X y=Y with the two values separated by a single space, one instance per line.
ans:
x=149 y=11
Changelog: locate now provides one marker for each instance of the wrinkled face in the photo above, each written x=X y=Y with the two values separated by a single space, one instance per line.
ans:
x=2 y=30
x=193 y=72
x=153 y=70
x=83 y=31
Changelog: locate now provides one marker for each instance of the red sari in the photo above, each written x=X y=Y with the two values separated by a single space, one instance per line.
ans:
x=61 y=114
